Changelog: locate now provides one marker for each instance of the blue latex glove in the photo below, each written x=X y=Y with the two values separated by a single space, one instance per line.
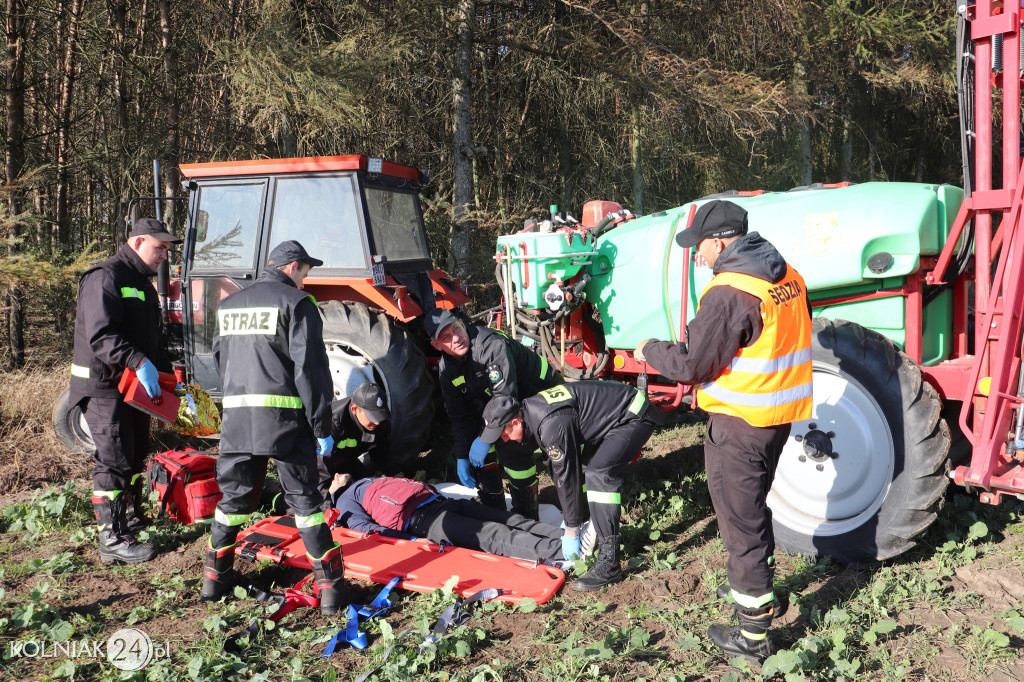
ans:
x=465 y=473
x=570 y=546
x=149 y=378
x=478 y=453
x=324 y=445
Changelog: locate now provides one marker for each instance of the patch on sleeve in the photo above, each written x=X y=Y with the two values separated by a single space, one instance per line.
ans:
x=555 y=453
x=494 y=374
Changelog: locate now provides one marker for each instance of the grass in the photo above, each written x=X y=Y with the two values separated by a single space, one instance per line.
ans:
x=918 y=617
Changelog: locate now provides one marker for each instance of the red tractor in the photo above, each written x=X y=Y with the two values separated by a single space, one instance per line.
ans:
x=362 y=217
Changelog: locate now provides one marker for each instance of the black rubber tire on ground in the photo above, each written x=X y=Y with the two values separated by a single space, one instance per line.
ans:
x=399 y=366
x=920 y=442
x=69 y=426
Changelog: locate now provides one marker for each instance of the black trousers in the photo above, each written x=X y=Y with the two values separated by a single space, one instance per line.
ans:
x=240 y=477
x=465 y=523
x=121 y=435
x=741 y=461
x=604 y=473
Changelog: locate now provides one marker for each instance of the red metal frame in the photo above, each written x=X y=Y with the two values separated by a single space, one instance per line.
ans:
x=986 y=416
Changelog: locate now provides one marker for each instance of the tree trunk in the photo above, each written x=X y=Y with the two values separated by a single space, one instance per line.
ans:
x=636 y=150
x=846 y=157
x=67 y=91
x=805 y=166
x=14 y=29
x=463 y=140
x=170 y=188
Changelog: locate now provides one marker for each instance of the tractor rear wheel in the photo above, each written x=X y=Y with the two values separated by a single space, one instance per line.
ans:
x=69 y=425
x=367 y=345
x=865 y=476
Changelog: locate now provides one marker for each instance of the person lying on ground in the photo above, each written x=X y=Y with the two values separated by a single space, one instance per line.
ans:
x=407 y=509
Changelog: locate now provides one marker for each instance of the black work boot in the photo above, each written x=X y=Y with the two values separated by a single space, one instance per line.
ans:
x=606 y=569
x=525 y=501
x=731 y=640
x=328 y=571
x=135 y=520
x=492 y=500
x=218 y=576
x=779 y=607
x=117 y=543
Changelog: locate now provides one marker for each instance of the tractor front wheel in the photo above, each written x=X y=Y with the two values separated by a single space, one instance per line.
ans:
x=865 y=476
x=367 y=345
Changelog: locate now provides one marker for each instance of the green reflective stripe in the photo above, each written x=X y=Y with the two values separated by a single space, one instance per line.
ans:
x=748 y=602
x=134 y=479
x=79 y=371
x=230 y=519
x=263 y=400
x=347 y=443
x=458 y=381
x=754 y=637
x=543 y=367
x=638 y=402
x=310 y=297
x=521 y=474
x=132 y=292
x=771 y=560
x=109 y=494
x=320 y=558
x=309 y=521
x=209 y=545
x=603 y=498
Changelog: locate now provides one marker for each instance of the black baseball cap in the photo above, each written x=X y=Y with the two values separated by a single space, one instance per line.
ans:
x=436 y=320
x=498 y=412
x=714 y=220
x=154 y=228
x=291 y=252
x=370 y=397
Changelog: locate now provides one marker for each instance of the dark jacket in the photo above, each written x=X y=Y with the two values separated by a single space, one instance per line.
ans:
x=494 y=365
x=350 y=502
x=273 y=366
x=569 y=423
x=728 y=319
x=117 y=325
x=350 y=441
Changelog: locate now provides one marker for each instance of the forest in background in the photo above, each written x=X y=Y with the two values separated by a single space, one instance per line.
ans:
x=513 y=106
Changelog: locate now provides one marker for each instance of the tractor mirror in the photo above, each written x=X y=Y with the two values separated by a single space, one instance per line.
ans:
x=202 y=224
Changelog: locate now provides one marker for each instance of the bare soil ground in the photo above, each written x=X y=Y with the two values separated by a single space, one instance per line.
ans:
x=950 y=605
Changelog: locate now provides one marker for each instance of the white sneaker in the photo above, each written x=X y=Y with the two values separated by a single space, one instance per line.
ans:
x=588 y=538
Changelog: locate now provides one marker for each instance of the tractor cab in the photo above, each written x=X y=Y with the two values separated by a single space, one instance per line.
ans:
x=360 y=216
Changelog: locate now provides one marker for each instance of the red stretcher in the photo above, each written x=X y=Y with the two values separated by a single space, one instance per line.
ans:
x=421 y=566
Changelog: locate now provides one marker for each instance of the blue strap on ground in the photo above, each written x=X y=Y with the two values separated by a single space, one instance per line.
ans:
x=456 y=614
x=352 y=635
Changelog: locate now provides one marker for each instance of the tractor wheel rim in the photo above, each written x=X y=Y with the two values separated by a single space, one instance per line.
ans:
x=351 y=366
x=815 y=494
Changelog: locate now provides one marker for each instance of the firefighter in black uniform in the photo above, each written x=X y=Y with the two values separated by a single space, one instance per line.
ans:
x=749 y=351
x=602 y=424
x=277 y=387
x=477 y=365
x=358 y=427
x=117 y=326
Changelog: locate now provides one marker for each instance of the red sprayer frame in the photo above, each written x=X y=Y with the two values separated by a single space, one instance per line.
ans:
x=987 y=382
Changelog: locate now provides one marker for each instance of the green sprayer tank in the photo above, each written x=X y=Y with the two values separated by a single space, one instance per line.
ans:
x=843 y=240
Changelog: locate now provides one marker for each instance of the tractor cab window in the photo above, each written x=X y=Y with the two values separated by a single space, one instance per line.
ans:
x=323 y=214
x=227 y=226
x=397 y=229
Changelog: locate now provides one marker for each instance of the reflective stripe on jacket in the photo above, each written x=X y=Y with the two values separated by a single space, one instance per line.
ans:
x=769 y=382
